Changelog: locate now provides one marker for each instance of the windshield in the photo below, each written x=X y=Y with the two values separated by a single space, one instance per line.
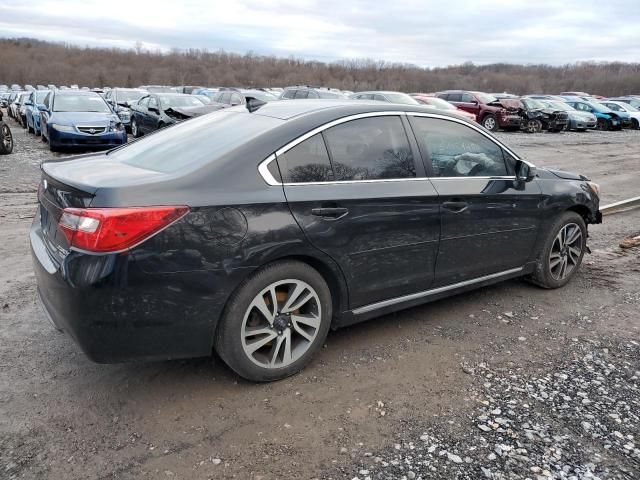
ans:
x=182 y=101
x=440 y=103
x=486 y=98
x=264 y=96
x=402 y=98
x=599 y=107
x=629 y=107
x=130 y=96
x=532 y=104
x=40 y=95
x=159 y=89
x=80 y=103
x=196 y=142
x=559 y=106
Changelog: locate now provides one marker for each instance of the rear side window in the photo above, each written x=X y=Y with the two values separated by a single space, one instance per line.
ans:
x=306 y=162
x=454 y=97
x=456 y=150
x=289 y=93
x=370 y=148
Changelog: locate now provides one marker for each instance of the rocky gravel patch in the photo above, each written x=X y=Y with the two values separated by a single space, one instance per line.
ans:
x=579 y=420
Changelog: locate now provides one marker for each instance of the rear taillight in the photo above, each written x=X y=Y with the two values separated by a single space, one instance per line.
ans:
x=109 y=230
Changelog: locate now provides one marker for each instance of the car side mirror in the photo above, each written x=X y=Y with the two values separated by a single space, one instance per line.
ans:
x=525 y=172
x=42 y=108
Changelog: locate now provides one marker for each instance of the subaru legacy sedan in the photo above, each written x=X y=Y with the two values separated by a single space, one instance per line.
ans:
x=252 y=232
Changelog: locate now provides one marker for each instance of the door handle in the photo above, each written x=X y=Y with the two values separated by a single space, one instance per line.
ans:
x=331 y=213
x=455 y=206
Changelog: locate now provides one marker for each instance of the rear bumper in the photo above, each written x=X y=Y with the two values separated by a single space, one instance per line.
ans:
x=116 y=312
x=71 y=140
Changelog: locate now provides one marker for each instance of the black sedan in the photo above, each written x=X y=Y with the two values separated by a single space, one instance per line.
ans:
x=155 y=111
x=252 y=232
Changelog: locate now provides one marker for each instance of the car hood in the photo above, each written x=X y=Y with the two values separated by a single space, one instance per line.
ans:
x=88 y=118
x=551 y=173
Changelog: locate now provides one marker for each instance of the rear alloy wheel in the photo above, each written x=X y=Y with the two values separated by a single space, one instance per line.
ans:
x=534 y=126
x=490 y=123
x=134 y=128
x=275 y=322
x=562 y=252
x=635 y=124
x=6 y=139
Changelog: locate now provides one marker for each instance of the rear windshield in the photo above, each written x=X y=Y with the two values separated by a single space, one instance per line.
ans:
x=194 y=142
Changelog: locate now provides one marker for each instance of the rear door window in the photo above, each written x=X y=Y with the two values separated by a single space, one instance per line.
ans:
x=302 y=94
x=369 y=149
x=306 y=162
x=454 y=97
x=457 y=150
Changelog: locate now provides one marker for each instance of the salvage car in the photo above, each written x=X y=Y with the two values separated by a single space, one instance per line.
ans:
x=624 y=107
x=236 y=96
x=79 y=119
x=441 y=104
x=157 y=111
x=6 y=139
x=606 y=118
x=551 y=119
x=383 y=96
x=577 y=120
x=32 y=112
x=487 y=109
x=121 y=100
x=253 y=232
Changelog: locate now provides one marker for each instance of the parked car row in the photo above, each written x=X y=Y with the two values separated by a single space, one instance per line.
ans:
x=68 y=117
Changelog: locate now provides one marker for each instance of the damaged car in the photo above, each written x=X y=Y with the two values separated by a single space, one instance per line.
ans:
x=160 y=110
x=580 y=121
x=534 y=115
x=606 y=119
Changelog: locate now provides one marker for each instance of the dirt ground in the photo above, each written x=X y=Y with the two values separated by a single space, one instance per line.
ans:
x=372 y=392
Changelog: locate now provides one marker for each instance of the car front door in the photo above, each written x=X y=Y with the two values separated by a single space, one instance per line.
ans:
x=140 y=113
x=489 y=220
x=358 y=191
x=470 y=104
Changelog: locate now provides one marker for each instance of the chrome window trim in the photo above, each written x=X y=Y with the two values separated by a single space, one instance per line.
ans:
x=426 y=293
x=270 y=180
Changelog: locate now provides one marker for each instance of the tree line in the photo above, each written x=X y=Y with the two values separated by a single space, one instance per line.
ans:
x=28 y=61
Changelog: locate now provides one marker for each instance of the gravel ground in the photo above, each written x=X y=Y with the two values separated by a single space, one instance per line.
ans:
x=506 y=382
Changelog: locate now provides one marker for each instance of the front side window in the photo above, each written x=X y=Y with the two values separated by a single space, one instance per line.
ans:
x=457 y=150
x=153 y=103
x=370 y=148
x=306 y=162
x=302 y=94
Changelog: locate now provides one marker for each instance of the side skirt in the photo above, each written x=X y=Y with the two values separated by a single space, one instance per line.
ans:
x=400 y=303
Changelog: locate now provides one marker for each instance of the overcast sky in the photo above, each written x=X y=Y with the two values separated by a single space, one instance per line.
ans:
x=426 y=33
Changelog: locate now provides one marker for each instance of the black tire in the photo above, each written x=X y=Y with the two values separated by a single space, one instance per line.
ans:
x=543 y=276
x=602 y=124
x=635 y=124
x=6 y=139
x=135 y=130
x=228 y=338
x=490 y=122
x=30 y=129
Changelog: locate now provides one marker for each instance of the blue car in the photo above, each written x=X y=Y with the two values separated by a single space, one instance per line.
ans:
x=606 y=118
x=32 y=112
x=80 y=119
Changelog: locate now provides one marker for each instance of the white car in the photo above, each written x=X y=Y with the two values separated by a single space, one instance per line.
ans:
x=617 y=106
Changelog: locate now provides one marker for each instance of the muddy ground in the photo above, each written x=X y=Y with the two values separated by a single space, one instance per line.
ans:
x=410 y=388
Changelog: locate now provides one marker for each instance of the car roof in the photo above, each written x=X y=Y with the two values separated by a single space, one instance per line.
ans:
x=336 y=107
x=379 y=91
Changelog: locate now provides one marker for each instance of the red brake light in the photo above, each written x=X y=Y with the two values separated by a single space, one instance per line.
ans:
x=108 y=230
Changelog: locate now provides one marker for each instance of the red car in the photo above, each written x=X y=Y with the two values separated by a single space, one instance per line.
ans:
x=441 y=104
x=487 y=109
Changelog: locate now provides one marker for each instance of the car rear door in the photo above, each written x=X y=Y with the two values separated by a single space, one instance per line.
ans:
x=358 y=191
x=489 y=221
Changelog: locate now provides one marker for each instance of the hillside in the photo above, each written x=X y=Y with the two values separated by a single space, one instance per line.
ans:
x=32 y=61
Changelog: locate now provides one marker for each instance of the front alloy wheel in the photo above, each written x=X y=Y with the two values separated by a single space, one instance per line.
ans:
x=6 y=139
x=566 y=251
x=561 y=254
x=489 y=122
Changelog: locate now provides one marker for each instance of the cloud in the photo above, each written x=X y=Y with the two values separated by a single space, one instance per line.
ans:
x=426 y=33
